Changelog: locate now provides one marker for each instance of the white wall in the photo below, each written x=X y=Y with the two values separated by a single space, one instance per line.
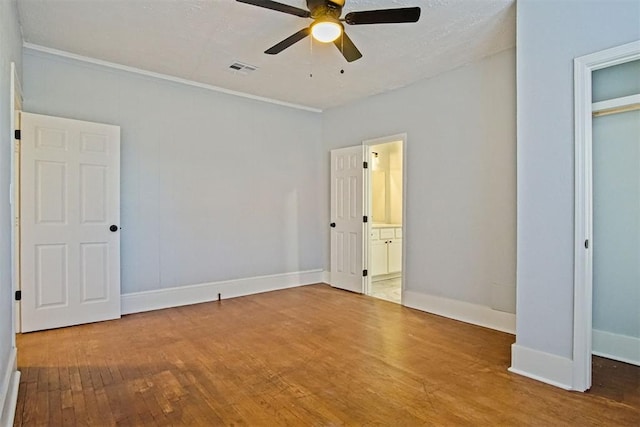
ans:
x=550 y=35
x=460 y=152
x=213 y=186
x=386 y=183
x=394 y=183
x=379 y=173
x=10 y=47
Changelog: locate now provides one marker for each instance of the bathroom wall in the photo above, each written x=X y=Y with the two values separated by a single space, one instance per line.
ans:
x=386 y=183
x=395 y=183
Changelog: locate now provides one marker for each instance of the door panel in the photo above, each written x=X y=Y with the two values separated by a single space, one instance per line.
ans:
x=95 y=271
x=51 y=276
x=346 y=212
x=50 y=201
x=70 y=194
x=93 y=197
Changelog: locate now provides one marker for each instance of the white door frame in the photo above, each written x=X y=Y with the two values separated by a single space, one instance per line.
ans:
x=14 y=108
x=583 y=215
x=367 y=191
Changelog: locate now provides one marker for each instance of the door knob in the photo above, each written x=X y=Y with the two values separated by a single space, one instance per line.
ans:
x=113 y=228
x=333 y=225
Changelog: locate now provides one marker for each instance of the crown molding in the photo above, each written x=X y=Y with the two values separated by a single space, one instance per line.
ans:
x=113 y=65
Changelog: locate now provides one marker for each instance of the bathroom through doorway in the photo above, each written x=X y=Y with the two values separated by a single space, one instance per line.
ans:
x=385 y=227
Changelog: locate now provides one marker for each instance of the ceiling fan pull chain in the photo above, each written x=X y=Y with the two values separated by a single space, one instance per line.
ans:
x=311 y=57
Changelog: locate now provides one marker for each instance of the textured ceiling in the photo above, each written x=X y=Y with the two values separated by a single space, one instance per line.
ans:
x=198 y=40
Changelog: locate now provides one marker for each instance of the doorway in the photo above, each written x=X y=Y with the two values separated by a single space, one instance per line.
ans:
x=589 y=238
x=616 y=212
x=385 y=199
x=367 y=247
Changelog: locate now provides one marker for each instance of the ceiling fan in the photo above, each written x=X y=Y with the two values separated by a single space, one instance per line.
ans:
x=327 y=26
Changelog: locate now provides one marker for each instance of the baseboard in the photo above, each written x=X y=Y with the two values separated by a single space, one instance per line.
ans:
x=463 y=311
x=548 y=368
x=204 y=292
x=617 y=347
x=326 y=277
x=9 y=391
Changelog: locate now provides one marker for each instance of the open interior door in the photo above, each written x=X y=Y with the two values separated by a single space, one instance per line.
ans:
x=69 y=222
x=347 y=201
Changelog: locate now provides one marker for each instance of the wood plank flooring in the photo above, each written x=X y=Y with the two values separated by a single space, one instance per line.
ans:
x=304 y=356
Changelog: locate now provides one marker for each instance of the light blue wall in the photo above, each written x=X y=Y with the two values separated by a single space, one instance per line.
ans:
x=617 y=81
x=10 y=50
x=616 y=224
x=460 y=206
x=550 y=35
x=213 y=186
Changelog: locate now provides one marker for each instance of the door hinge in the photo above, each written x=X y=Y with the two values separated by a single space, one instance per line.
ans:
x=586 y=244
x=365 y=273
x=18 y=295
x=17 y=134
x=365 y=165
x=365 y=219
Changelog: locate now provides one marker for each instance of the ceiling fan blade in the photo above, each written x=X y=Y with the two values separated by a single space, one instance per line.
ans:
x=383 y=16
x=292 y=39
x=285 y=8
x=348 y=49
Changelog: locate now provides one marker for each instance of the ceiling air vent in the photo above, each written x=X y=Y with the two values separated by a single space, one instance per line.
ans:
x=242 y=68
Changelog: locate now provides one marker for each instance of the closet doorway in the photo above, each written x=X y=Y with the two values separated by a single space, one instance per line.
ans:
x=384 y=232
x=607 y=232
x=616 y=212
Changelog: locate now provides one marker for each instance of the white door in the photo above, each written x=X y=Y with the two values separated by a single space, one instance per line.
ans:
x=70 y=212
x=347 y=201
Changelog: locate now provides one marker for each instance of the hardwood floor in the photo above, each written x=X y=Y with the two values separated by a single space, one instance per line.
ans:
x=304 y=356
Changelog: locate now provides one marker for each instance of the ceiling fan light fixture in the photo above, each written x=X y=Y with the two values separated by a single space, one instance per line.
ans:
x=328 y=25
x=326 y=30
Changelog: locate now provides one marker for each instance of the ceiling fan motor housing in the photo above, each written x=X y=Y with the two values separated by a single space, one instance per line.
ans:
x=325 y=8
